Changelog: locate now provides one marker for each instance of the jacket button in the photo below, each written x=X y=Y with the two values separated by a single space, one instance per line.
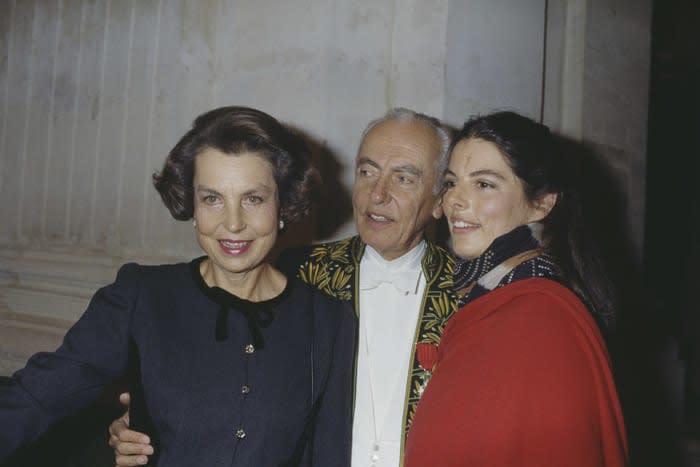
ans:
x=240 y=434
x=245 y=389
x=249 y=349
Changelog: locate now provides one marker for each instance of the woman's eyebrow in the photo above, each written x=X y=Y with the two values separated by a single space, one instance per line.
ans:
x=494 y=173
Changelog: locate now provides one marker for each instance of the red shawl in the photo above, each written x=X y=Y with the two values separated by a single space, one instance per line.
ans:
x=523 y=379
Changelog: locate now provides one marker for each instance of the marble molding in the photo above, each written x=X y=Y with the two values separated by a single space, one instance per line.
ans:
x=42 y=294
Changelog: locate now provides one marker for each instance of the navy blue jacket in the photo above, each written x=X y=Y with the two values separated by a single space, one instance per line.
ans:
x=217 y=394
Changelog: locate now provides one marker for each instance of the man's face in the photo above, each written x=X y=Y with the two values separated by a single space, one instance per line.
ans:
x=393 y=197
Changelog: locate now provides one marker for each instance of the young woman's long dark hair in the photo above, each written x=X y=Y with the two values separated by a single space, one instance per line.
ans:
x=538 y=160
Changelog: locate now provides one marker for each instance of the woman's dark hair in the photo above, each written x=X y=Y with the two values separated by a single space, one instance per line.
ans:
x=537 y=158
x=235 y=130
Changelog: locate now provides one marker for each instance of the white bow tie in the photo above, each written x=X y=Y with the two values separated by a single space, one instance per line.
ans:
x=405 y=282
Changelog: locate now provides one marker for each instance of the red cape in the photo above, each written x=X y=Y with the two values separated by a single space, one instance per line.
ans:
x=523 y=379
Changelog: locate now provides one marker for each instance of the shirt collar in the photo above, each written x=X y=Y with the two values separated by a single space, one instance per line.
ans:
x=403 y=273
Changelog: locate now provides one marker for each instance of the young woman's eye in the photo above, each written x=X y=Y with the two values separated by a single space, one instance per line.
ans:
x=483 y=185
x=447 y=184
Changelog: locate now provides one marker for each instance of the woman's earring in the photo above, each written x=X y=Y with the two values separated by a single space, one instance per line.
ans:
x=194 y=224
x=281 y=224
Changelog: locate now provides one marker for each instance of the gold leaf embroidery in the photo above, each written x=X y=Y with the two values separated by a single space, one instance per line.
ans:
x=332 y=268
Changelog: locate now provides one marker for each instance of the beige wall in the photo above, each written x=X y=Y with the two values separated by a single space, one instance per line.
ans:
x=93 y=93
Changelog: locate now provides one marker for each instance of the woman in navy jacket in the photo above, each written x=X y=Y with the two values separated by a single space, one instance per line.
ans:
x=238 y=364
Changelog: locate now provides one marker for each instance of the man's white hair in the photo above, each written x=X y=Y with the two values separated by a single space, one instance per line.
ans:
x=443 y=133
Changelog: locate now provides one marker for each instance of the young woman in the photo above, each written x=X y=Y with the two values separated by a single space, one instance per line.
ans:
x=522 y=375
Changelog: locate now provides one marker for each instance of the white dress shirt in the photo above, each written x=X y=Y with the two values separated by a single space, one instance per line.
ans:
x=391 y=293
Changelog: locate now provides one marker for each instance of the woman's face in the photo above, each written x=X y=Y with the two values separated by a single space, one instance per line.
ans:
x=236 y=208
x=483 y=197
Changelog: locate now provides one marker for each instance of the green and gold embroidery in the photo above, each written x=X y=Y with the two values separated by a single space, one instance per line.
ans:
x=333 y=267
x=439 y=304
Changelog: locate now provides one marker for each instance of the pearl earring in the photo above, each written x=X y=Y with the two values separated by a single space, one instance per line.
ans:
x=194 y=224
x=281 y=224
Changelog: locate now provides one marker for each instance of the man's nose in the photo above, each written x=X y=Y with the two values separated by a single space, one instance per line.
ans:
x=379 y=191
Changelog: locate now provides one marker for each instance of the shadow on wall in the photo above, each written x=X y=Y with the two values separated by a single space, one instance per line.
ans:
x=333 y=208
x=639 y=346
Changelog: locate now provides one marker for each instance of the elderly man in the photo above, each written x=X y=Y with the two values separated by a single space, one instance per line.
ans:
x=399 y=283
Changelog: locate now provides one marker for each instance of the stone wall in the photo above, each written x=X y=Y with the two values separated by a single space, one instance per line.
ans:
x=94 y=93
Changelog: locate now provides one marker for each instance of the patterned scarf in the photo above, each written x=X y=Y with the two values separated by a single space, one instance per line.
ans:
x=513 y=256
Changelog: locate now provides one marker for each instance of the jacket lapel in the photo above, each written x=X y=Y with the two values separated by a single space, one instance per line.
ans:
x=438 y=305
x=333 y=268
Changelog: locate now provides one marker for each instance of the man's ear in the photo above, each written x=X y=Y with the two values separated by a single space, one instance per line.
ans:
x=544 y=206
x=437 y=209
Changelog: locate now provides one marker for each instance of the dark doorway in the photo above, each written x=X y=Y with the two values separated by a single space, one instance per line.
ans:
x=672 y=233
